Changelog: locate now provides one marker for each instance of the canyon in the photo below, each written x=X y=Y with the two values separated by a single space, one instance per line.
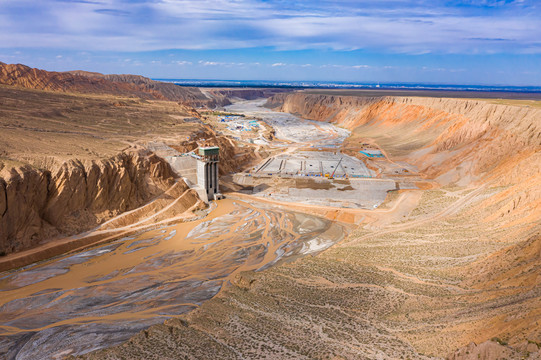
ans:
x=461 y=265
x=447 y=265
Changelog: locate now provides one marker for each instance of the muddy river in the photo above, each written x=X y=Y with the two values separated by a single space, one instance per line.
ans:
x=102 y=296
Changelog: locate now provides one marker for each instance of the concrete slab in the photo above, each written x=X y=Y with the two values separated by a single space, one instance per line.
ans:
x=292 y=167
x=272 y=167
x=311 y=163
x=357 y=193
x=312 y=167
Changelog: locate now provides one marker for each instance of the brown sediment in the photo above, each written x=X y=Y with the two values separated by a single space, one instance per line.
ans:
x=235 y=237
x=74 y=279
x=93 y=238
x=405 y=203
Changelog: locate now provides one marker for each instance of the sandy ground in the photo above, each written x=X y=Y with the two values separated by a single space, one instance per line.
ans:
x=501 y=97
x=39 y=127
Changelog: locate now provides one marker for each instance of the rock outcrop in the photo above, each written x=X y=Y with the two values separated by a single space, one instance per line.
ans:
x=36 y=205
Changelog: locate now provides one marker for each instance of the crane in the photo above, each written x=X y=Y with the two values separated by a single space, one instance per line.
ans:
x=332 y=175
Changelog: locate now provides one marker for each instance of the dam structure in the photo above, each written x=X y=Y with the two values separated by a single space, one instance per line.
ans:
x=207 y=171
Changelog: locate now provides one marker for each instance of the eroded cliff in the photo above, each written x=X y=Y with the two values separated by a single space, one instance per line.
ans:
x=37 y=205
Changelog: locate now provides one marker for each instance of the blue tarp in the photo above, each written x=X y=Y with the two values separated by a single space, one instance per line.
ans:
x=380 y=155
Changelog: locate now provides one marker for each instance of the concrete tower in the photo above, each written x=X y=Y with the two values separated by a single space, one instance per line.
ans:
x=207 y=171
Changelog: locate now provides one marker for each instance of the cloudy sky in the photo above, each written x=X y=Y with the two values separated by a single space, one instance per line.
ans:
x=432 y=41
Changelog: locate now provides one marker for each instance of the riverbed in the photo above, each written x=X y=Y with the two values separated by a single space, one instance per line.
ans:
x=101 y=297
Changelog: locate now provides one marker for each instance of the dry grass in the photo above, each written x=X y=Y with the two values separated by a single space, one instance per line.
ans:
x=42 y=128
x=481 y=95
x=526 y=103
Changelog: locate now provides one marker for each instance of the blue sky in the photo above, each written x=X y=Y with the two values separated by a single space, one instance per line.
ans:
x=432 y=41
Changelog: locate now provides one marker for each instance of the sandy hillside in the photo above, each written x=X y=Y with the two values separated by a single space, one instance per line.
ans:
x=70 y=161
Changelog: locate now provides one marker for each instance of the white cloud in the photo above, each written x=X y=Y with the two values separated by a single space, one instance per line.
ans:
x=209 y=63
x=400 y=26
x=218 y=63
x=278 y=64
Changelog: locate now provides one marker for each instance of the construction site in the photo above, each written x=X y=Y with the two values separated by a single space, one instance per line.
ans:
x=314 y=164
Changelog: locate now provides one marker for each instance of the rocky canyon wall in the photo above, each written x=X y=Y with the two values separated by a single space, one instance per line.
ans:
x=450 y=140
x=36 y=205
x=453 y=141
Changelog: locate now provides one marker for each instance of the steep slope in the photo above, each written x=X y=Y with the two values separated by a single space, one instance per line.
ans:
x=38 y=204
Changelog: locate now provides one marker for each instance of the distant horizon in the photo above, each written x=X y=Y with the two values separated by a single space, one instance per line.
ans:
x=423 y=85
x=329 y=84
